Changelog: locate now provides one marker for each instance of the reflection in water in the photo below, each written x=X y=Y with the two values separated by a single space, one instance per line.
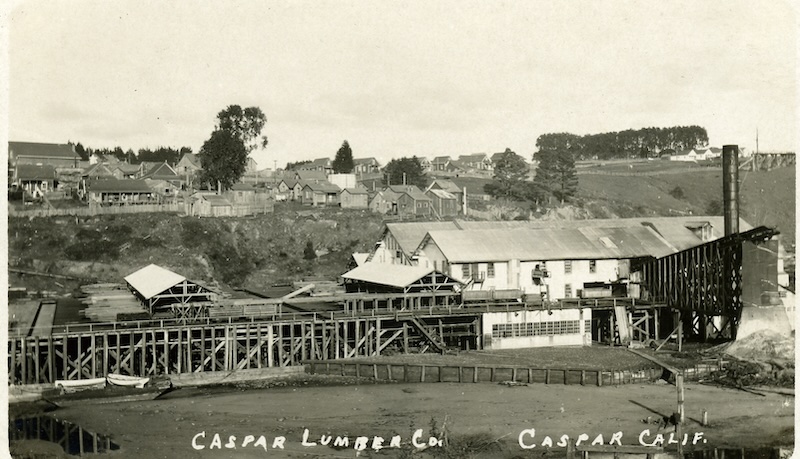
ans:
x=74 y=439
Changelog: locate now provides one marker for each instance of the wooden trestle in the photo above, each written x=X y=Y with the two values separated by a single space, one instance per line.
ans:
x=226 y=347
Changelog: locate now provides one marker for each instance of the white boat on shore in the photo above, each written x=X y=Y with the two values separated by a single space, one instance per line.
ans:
x=128 y=381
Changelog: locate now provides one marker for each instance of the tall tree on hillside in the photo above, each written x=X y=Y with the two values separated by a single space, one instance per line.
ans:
x=223 y=158
x=245 y=124
x=224 y=155
x=555 y=175
x=408 y=169
x=343 y=162
x=510 y=177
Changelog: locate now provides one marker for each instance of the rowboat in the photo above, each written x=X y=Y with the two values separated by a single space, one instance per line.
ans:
x=128 y=381
x=109 y=394
x=80 y=384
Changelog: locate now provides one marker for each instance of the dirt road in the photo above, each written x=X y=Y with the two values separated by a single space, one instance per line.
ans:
x=188 y=419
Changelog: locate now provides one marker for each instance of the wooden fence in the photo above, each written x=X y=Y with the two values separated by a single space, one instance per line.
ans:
x=96 y=210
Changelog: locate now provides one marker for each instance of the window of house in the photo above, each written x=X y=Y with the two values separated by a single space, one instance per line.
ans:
x=490 y=270
x=592 y=266
x=465 y=271
x=567 y=290
x=567 y=266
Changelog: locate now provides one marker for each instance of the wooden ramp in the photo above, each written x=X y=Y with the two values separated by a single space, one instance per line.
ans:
x=623 y=324
x=43 y=325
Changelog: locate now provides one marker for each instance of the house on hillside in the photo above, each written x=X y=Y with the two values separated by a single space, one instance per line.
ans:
x=384 y=202
x=450 y=187
x=320 y=194
x=440 y=163
x=366 y=166
x=35 y=180
x=100 y=171
x=411 y=200
x=124 y=170
x=425 y=163
x=189 y=167
x=241 y=193
x=42 y=154
x=310 y=176
x=323 y=165
x=116 y=191
x=443 y=204
x=354 y=198
x=477 y=161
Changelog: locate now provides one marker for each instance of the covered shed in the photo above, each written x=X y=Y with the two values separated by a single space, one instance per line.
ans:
x=113 y=191
x=161 y=290
x=389 y=278
x=354 y=198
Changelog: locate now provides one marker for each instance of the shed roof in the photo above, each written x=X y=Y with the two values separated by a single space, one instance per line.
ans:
x=441 y=194
x=322 y=187
x=410 y=190
x=446 y=185
x=152 y=280
x=471 y=246
x=356 y=191
x=387 y=274
x=41 y=150
x=119 y=186
x=30 y=172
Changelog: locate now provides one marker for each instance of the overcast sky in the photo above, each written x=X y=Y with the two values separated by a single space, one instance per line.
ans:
x=400 y=78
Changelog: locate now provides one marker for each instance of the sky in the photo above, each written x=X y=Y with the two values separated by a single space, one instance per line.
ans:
x=400 y=78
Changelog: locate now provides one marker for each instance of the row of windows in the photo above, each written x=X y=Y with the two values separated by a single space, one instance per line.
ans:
x=556 y=327
x=568 y=266
x=471 y=271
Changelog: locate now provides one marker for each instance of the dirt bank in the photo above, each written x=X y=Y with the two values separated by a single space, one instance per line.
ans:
x=165 y=428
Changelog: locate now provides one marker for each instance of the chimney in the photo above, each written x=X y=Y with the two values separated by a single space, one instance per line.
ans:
x=730 y=188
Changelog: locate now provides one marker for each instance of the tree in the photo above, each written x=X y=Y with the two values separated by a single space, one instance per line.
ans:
x=409 y=169
x=555 y=175
x=223 y=158
x=510 y=177
x=245 y=124
x=343 y=162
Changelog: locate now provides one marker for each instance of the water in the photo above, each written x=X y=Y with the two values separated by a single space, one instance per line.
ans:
x=72 y=438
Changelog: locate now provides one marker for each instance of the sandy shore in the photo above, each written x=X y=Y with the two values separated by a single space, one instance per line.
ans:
x=177 y=424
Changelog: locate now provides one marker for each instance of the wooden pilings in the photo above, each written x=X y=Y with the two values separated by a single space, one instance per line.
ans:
x=199 y=348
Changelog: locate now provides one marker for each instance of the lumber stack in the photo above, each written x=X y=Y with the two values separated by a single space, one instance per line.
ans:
x=106 y=302
x=321 y=288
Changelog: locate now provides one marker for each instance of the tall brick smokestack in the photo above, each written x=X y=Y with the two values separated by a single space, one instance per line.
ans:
x=730 y=188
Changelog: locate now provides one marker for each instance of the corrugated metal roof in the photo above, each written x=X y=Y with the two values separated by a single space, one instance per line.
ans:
x=409 y=235
x=152 y=280
x=472 y=246
x=387 y=274
x=673 y=229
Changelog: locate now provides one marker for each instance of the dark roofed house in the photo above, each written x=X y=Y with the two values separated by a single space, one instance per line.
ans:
x=440 y=163
x=42 y=154
x=115 y=191
x=354 y=198
x=35 y=180
x=320 y=194
x=125 y=170
x=99 y=171
x=163 y=171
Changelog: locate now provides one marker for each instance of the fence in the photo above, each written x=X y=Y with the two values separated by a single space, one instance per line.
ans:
x=95 y=210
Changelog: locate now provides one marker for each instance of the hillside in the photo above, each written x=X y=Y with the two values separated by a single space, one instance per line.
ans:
x=255 y=252
x=269 y=249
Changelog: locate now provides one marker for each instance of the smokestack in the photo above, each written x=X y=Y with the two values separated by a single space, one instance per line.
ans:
x=730 y=187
